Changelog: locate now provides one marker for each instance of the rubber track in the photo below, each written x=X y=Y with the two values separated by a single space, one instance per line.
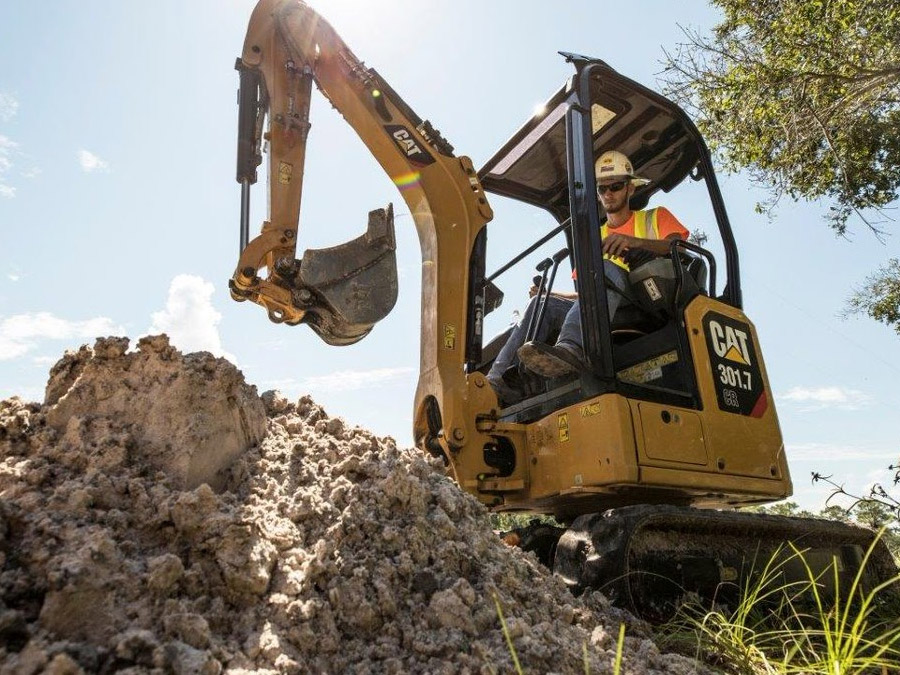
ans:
x=622 y=552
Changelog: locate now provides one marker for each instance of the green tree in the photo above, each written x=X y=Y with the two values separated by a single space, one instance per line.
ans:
x=880 y=296
x=805 y=94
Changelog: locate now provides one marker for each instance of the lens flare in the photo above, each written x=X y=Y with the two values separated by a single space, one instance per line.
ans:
x=406 y=181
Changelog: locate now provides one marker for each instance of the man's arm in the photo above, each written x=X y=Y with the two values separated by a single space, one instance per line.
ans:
x=668 y=227
x=617 y=244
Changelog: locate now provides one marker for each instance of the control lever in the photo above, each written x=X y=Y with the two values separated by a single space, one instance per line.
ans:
x=544 y=289
x=540 y=281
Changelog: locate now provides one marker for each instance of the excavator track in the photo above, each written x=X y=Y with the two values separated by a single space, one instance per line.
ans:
x=647 y=557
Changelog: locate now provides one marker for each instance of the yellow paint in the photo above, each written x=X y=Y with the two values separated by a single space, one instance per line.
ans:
x=734 y=355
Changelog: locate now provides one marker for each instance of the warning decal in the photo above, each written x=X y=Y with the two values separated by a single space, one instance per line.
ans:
x=735 y=371
x=449 y=336
x=562 y=424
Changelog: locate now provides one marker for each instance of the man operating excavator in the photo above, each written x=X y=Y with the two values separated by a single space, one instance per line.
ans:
x=629 y=237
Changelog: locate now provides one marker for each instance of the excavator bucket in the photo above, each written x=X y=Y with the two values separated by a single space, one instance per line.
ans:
x=347 y=289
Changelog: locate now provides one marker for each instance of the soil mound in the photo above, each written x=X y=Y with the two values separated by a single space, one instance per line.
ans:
x=156 y=515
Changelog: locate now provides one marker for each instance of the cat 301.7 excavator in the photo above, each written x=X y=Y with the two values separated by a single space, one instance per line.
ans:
x=646 y=452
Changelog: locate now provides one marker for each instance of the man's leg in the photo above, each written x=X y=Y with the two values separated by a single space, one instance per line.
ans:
x=568 y=353
x=557 y=310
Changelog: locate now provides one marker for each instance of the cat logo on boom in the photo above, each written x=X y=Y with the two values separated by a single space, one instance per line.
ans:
x=730 y=343
x=408 y=145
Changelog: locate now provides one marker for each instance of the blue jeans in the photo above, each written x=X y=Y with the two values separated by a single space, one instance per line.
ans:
x=554 y=317
x=562 y=315
x=570 y=332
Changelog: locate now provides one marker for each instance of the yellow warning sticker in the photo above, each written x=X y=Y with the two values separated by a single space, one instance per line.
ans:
x=285 y=171
x=449 y=336
x=590 y=409
x=562 y=423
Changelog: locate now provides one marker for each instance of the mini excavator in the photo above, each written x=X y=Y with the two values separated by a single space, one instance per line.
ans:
x=647 y=452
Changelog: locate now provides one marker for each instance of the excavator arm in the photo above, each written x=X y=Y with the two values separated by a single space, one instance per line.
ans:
x=341 y=292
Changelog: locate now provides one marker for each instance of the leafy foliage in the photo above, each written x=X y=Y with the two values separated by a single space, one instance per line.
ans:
x=803 y=93
x=879 y=298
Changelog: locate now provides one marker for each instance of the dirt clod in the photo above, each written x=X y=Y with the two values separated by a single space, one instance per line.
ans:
x=157 y=515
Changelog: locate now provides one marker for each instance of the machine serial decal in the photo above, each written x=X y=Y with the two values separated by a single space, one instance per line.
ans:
x=647 y=371
x=735 y=371
x=562 y=423
x=408 y=145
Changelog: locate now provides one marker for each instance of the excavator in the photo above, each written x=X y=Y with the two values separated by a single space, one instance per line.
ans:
x=646 y=453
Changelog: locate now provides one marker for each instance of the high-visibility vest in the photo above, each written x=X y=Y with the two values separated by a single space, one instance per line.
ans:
x=644 y=228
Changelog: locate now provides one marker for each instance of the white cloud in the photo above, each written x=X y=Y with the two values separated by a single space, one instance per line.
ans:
x=91 y=162
x=833 y=452
x=13 y=277
x=8 y=107
x=827 y=397
x=21 y=333
x=7 y=147
x=44 y=360
x=344 y=380
x=189 y=318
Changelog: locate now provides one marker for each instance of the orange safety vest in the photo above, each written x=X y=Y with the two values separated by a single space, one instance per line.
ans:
x=645 y=227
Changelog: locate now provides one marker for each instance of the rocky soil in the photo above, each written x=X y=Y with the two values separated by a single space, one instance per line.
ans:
x=157 y=515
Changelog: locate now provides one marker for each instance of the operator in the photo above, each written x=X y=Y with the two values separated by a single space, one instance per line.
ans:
x=625 y=234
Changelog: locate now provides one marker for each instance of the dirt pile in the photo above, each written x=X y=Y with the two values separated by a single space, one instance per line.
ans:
x=322 y=549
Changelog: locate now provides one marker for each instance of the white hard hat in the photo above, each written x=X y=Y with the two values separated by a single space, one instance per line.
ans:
x=613 y=164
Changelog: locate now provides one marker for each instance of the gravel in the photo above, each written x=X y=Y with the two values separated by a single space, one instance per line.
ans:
x=158 y=515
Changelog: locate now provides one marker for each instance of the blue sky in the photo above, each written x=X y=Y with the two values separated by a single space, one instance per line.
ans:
x=119 y=206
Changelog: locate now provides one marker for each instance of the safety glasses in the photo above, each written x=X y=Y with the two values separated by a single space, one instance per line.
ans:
x=611 y=187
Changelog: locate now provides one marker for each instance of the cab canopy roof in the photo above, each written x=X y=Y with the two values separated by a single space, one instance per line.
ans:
x=662 y=143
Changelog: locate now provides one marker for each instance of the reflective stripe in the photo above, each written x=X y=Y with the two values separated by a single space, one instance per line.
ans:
x=640 y=231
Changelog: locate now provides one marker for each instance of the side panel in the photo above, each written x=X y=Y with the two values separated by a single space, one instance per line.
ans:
x=671 y=435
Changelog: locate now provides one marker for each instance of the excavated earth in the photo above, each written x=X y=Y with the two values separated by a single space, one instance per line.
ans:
x=157 y=515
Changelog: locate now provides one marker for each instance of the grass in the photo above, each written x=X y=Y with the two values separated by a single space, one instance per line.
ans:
x=770 y=631
x=784 y=628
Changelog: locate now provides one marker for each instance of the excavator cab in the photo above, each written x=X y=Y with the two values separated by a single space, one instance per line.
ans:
x=643 y=352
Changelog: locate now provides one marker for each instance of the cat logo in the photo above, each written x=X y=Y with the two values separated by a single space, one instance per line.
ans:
x=730 y=343
x=408 y=145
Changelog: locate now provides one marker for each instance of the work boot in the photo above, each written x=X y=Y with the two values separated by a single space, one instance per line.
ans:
x=560 y=359
x=505 y=393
